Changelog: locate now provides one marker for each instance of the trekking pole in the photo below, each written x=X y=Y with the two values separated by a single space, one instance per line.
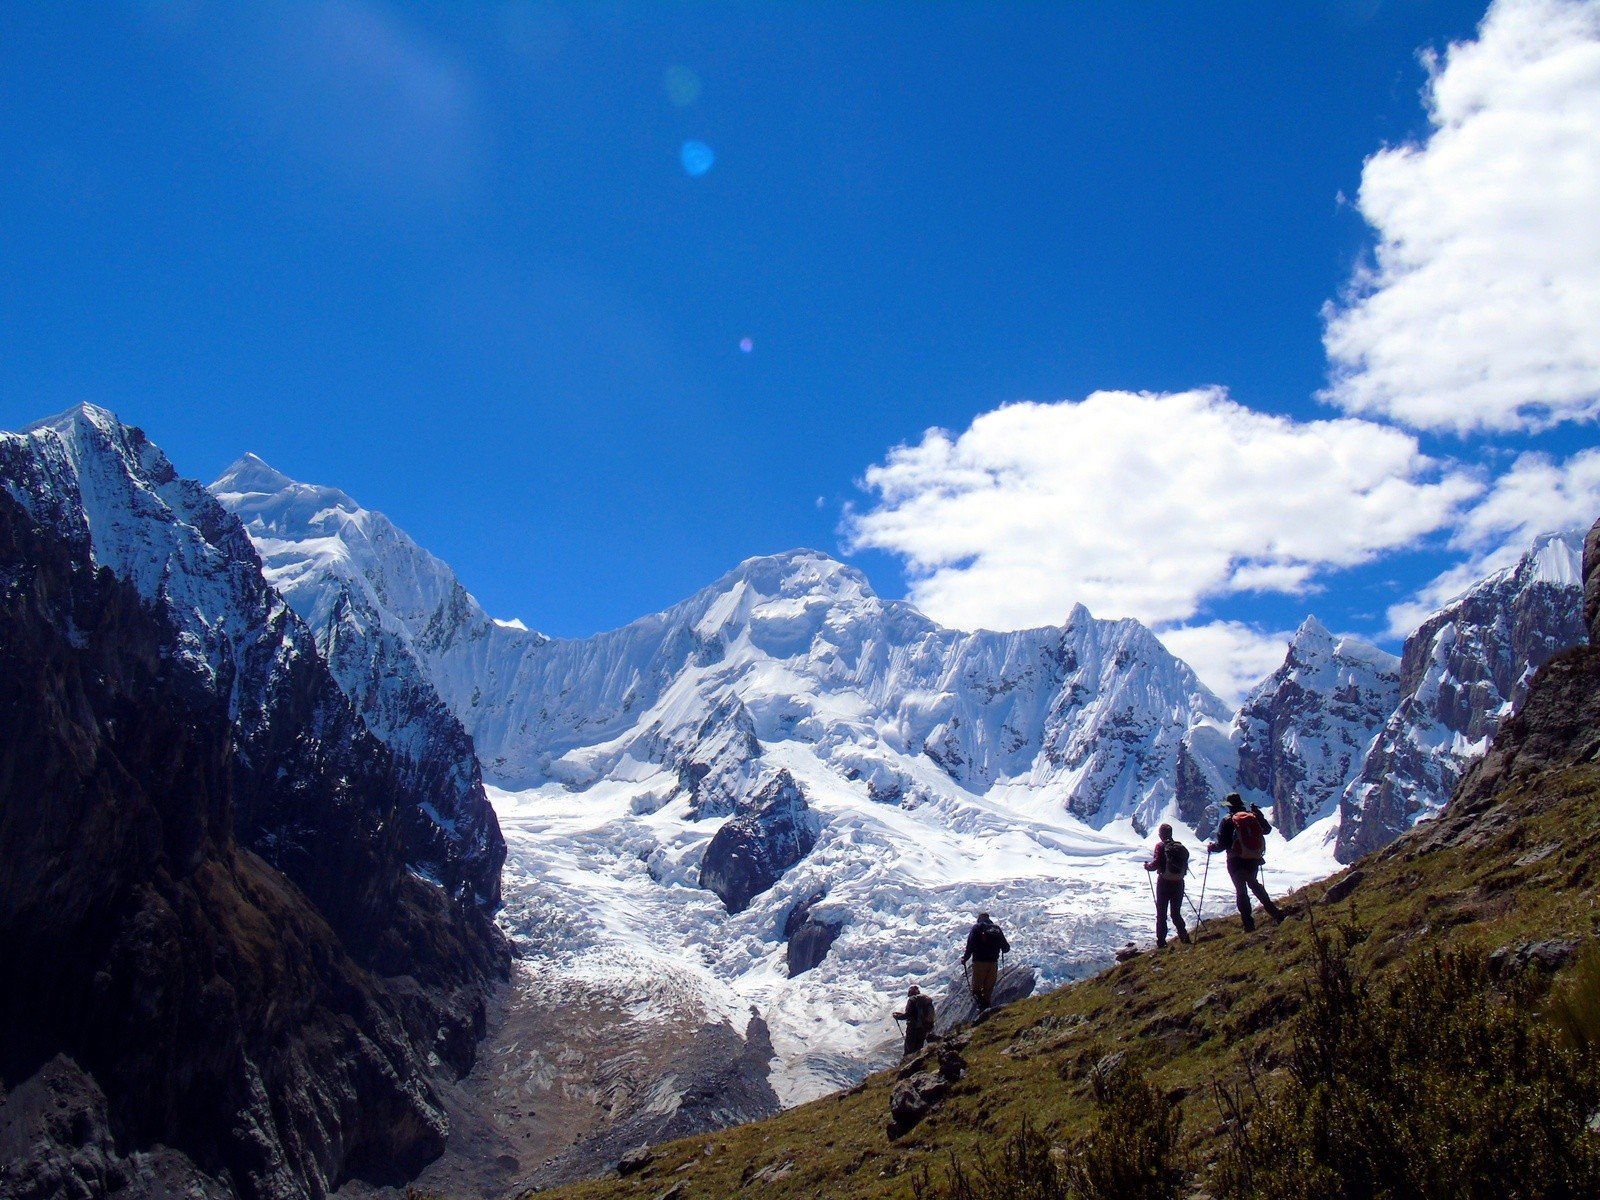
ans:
x=1205 y=875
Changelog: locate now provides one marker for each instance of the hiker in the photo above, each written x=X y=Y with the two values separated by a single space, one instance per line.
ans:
x=918 y=1016
x=986 y=942
x=1243 y=834
x=1171 y=863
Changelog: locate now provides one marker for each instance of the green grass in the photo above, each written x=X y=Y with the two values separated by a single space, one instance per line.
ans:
x=1193 y=1020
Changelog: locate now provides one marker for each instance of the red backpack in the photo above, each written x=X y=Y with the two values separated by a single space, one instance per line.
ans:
x=1248 y=840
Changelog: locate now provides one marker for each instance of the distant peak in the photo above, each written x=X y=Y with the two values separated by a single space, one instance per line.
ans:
x=251 y=474
x=1312 y=629
x=796 y=571
x=78 y=414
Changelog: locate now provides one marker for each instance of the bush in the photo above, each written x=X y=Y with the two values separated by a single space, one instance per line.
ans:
x=1575 y=1008
x=1131 y=1155
x=1441 y=1084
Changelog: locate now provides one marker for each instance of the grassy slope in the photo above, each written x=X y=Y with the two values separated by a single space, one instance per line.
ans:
x=1518 y=868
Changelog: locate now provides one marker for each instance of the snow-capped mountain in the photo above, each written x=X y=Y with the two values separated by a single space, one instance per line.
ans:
x=109 y=492
x=784 y=792
x=1302 y=734
x=1461 y=674
x=786 y=647
x=872 y=776
x=229 y=953
x=367 y=608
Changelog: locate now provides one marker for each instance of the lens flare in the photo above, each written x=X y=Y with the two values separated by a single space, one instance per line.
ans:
x=697 y=158
x=747 y=344
x=683 y=86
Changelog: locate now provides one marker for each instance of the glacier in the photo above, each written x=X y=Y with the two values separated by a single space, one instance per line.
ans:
x=948 y=771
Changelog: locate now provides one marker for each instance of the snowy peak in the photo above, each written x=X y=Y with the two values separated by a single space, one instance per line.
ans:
x=251 y=475
x=1554 y=558
x=111 y=494
x=797 y=573
x=1462 y=673
x=104 y=486
x=1301 y=735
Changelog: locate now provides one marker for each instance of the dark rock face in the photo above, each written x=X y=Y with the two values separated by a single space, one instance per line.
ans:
x=207 y=868
x=809 y=938
x=450 y=831
x=768 y=833
x=1461 y=674
x=56 y=1140
x=315 y=793
x=165 y=987
x=1303 y=733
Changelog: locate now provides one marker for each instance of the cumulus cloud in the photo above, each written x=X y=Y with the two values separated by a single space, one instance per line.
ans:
x=1143 y=505
x=1229 y=656
x=1478 y=309
x=1539 y=494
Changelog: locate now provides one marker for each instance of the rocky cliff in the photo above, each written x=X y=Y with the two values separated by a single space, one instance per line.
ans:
x=1303 y=733
x=1462 y=673
x=179 y=1015
x=231 y=955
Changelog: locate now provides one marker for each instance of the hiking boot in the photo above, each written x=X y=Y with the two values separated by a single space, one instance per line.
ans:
x=1184 y=937
x=1249 y=924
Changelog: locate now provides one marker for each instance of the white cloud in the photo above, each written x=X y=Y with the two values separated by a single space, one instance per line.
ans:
x=1143 y=505
x=1229 y=656
x=1537 y=495
x=1479 y=311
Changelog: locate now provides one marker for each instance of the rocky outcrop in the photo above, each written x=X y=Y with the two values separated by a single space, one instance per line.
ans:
x=768 y=833
x=714 y=768
x=178 y=1014
x=809 y=936
x=1461 y=675
x=1302 y=734
x=957 y=1007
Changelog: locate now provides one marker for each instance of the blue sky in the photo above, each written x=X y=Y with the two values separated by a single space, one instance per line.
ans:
x=449 y=258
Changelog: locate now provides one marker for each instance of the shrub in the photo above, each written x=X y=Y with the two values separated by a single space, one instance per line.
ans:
x=1130 y=1155
x=1442 y=1083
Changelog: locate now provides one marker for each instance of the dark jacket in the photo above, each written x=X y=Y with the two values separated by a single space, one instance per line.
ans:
x=919 y=1013
x=1225 y=830
x=986 y=948
x=1158 y=860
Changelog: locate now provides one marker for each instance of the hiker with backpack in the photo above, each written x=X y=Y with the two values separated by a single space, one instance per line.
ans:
x=986 y=942
x=1170 y=862
x=1243 y=835
x=918 y=1017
